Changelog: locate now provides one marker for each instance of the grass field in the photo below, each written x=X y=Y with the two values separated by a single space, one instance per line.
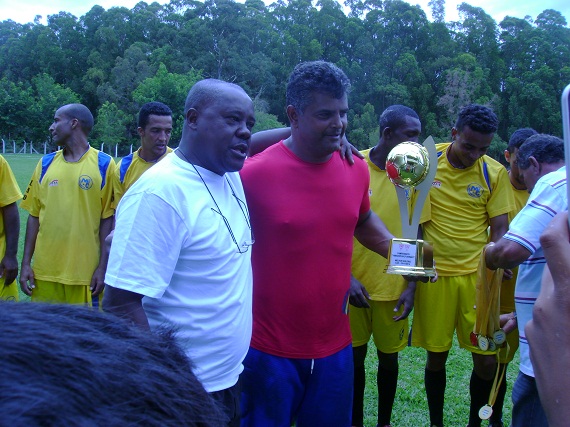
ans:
x=410 y=408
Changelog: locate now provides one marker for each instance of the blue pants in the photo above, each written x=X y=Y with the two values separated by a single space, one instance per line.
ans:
x=527 y=409
x=277 y=391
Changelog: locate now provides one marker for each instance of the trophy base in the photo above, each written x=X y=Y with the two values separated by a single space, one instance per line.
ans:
x=408 y=257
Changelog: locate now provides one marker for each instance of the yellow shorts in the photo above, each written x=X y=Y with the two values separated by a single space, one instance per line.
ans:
x=389 y=336
x=443 y=307
x=58 y=293
x=10 y=292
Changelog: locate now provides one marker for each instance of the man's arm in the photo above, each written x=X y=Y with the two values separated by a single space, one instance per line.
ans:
x=125 y=304
x=26 y=273
x=9 y=264
x=373 y=234
x=98 y=277
x=503 y=253
x=266 y=138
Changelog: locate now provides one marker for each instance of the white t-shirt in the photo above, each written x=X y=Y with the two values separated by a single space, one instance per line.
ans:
x=172 y=245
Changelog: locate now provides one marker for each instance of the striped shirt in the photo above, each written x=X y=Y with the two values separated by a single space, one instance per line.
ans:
x=547 y=199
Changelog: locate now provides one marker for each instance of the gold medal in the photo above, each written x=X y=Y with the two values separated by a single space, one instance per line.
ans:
x=483 y=342
x=499 y=337
x=485 y=412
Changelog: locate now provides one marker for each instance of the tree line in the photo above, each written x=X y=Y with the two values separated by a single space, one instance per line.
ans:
x=117 y=59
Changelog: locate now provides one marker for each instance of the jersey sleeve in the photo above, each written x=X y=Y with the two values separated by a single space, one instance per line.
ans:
x=501 y=200
x=118 y=187
x=31 y=201
x=107 y=192
x=9 y=190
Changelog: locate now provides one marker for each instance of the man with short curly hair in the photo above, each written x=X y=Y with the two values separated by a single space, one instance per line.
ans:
x=470 y=192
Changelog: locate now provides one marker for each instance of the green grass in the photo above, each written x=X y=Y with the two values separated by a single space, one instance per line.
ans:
x=410 y=407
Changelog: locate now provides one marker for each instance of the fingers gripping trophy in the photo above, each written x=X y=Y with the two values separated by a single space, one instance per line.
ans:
x=411 y=167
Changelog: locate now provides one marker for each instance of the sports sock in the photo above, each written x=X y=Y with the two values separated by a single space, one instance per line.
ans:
x=435 y=390
x=387 y=381
x=497 y=415
x=479 y=390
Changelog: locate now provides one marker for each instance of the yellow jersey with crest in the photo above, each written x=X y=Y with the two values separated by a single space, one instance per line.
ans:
x=129 y=170
x=367 y=266
x=462 y=203
x=70 y=199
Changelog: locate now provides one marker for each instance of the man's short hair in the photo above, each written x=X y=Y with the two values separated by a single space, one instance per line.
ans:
x=544 y=148
x=154 y=108
x=205 y=92
x=316 y=76
x=479 y=118
x=395 y=116
x=82 y=114
x=519 y=137
x=64 y=365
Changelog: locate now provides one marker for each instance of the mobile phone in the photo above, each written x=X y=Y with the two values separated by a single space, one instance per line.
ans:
x=566 y=132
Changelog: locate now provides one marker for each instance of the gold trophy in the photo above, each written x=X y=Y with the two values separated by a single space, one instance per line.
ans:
x=411 y=167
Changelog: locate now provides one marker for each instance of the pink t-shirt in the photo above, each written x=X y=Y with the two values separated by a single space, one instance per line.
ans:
x=303 y=217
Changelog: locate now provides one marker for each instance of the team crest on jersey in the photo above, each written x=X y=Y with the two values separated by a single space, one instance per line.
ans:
x=436 y=184
x=85 y=182
x=53 y=183
x=475 y=190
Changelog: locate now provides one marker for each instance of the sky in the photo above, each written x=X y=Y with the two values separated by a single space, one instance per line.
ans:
x=24 y=11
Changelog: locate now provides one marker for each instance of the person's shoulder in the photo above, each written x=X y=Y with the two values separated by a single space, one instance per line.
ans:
x=441 y=146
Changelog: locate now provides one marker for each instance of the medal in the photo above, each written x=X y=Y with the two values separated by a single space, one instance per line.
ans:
x=492 y=345
x=485 y=412
x=473 y=338
x=483 y=342
x=499 y=337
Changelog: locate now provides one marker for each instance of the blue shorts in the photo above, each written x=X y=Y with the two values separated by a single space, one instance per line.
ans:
x=278 y=391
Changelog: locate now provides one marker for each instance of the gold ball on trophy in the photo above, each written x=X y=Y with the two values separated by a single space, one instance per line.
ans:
x=407 y=164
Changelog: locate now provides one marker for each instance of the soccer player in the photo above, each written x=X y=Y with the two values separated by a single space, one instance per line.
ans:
x=541 y=162
x=306 y=205
x=386 y=300
x=154 y=129
x=69 y=200
x=180 y=253
x=9 y=232
x=470 y=192
x=507 y=308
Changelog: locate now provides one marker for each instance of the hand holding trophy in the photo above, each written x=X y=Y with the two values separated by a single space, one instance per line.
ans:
x=411 y=167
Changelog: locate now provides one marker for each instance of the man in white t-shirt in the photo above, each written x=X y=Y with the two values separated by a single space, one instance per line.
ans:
x=180 y=253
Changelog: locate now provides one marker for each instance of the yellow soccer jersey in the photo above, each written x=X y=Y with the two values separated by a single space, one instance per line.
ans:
x=70 y=199
x=462 y=203
x=9 y=193
x=508 y=286
x=129 y=169
x=368 y=266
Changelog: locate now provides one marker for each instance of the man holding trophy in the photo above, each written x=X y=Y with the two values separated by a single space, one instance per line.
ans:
x=470 y=193
x=382 y=302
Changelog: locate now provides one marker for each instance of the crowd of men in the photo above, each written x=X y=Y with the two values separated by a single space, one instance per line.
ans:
x=250 y=260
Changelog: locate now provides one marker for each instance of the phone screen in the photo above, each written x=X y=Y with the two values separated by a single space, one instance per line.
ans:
x=566 y=131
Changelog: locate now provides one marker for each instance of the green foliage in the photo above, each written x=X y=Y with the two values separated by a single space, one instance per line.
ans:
x=389 y=49
x=110 y=128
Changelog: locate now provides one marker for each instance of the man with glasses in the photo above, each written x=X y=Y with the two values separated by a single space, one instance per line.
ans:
x=180 y=254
